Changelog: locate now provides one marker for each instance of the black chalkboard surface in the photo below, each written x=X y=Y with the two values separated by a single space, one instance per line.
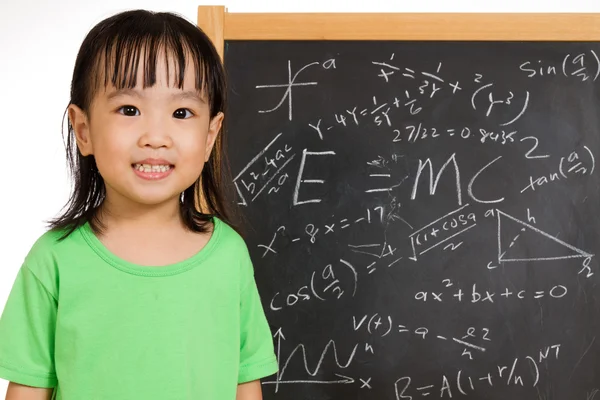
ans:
x=423 y=216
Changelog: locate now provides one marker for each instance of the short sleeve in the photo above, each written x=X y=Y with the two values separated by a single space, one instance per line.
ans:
x=27 y=331
x=257 y=355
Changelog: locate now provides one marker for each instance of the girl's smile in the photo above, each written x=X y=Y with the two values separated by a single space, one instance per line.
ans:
x=153 y=169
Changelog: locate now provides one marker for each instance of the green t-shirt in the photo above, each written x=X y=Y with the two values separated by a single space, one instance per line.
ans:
x=96 y=327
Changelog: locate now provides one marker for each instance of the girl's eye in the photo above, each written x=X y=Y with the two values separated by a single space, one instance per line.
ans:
x=129 y=111
x=181 y=113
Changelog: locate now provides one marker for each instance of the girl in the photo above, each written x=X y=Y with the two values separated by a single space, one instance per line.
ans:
x=133 y=293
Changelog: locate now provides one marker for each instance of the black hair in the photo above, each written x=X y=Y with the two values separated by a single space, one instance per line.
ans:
x=112 y=50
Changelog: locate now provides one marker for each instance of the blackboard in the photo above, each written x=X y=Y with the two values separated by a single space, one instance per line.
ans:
x=422 y=216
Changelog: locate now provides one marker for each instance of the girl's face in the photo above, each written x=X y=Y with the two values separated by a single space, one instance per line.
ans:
x=149 y=144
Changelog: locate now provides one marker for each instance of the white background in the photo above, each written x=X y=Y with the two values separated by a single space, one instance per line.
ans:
x=39 y=40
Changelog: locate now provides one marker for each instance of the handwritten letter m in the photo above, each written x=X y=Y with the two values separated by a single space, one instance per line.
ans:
x=433 y=184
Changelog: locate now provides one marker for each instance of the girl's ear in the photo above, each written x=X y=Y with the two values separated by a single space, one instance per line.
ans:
x=81 y=128
x=213 y=131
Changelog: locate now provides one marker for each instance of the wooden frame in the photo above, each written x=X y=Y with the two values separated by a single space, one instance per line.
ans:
x=221 y=26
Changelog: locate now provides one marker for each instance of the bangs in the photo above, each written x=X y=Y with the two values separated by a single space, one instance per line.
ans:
x=121 y=60
x=136 y=44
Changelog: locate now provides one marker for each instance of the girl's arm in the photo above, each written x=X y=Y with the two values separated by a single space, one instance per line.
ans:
x=21 y=392
x=248 y=391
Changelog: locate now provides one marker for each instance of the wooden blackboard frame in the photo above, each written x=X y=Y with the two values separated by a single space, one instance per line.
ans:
x=221 y=25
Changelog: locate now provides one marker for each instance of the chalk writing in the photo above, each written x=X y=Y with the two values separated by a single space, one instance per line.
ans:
x=582 y=66
x=326 y=283
x=516 y=373
x=422 y=217
x=291 y=83
x=572 y=165
x=479 y=295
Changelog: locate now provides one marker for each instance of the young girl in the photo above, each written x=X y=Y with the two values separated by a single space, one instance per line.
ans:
x=133 y=293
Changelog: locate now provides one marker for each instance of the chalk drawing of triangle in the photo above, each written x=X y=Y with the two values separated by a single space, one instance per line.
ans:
x=520 y=241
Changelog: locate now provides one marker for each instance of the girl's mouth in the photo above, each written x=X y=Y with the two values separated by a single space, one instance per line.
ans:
x=152 y=171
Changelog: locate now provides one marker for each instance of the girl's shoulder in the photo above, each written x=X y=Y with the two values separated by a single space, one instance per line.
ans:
x=54 y=240
x=48 y=252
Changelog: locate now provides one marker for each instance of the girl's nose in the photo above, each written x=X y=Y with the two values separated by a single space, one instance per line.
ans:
x=156 y=134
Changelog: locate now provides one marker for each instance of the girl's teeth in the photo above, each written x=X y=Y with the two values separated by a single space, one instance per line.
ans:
x=152 y=168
